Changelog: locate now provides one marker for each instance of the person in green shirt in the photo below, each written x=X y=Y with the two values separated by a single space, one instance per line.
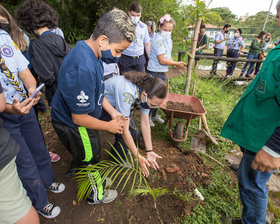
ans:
x=254 y=52
x=254 y=125
x=201 y=43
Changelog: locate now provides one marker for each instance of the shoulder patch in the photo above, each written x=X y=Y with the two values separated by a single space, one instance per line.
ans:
x=128 y=98
x=159 y=43
x=261 y=86
x=7 y=51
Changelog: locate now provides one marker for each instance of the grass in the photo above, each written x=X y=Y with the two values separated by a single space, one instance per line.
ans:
x=219 y=98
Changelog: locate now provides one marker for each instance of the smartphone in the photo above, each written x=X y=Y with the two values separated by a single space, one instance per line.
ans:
x=37 y=90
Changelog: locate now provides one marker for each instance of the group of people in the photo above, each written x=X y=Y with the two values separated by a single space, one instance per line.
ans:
x=234 y=48
x=96 y=86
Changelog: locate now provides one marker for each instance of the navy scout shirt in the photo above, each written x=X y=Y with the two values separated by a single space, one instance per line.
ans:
x=80 y=87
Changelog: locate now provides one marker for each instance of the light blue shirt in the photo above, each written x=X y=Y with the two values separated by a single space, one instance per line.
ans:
x=15 y=62
x=136 y=48
x=111 y=69
x=220 y=36
x=122 y=94
x=58 y=31
x=236 y=43
x=159 y=45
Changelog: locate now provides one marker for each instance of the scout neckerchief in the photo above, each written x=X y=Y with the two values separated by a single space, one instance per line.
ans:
x=201 y=39
x=4 y=69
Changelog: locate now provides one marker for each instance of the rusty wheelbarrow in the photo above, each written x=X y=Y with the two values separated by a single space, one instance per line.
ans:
x=190 y=107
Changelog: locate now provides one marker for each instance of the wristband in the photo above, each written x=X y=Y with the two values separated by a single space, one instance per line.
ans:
x=149 y=150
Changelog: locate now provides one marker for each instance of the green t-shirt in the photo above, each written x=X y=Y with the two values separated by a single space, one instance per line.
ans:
x=256 y=46
x=257 y=114
x=202 y=39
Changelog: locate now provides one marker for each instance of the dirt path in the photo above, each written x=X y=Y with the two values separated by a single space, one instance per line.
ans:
x=188 y=170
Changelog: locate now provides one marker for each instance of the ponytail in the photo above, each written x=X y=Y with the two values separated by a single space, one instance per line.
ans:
x=151 y=85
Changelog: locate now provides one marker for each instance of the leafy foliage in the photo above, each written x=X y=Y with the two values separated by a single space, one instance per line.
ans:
x=120 y=171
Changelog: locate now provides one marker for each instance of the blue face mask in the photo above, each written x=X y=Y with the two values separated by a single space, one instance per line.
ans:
x=107 y=56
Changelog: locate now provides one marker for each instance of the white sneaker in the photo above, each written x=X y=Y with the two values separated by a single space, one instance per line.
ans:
x=152 y=124
x=50 y=211
x=109 y=196
x=56 y=187
x=158 y=119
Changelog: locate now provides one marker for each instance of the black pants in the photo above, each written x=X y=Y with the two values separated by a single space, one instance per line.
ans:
x=82 y=143
x=217 y=52
x=232 y=64
x=119 y=142
x=127 y=63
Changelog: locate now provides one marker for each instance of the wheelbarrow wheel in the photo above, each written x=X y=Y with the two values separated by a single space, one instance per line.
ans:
x=178 y=134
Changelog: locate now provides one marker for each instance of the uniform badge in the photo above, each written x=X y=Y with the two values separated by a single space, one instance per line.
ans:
x=159 y=43
x=128 y=98
x=7 y=51
x=261 y=86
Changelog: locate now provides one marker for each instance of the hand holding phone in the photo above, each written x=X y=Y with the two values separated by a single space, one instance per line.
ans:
x=37 y=90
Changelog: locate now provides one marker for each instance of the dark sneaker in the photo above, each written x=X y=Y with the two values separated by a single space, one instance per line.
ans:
x=50 y=211
x=109 y=196
x=236 y=221
x=56 y=187
x=70 y=172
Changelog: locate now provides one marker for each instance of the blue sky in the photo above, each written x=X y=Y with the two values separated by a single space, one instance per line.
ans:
x=241 y=7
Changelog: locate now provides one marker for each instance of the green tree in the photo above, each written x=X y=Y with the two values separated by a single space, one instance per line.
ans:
x=227 y=16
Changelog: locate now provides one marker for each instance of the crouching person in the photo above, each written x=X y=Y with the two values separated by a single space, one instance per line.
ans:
x=79 y=99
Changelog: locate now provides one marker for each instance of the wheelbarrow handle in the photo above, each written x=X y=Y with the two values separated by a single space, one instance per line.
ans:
x=193 y=89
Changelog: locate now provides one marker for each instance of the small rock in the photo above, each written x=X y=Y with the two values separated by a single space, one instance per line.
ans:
x=172 y=169
x=205 y=175
x=187 y=211
x=162 y=171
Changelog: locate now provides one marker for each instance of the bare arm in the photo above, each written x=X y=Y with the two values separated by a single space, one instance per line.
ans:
x=147 y=48
x=87 y=121
x=146 y=133
x=2 y=102
x=163 y=61
x=132 y=147
x=28 y=80
x=111 y=110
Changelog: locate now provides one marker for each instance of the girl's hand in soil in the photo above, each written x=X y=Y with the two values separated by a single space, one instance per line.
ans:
x=144 y=164
x=151 y=157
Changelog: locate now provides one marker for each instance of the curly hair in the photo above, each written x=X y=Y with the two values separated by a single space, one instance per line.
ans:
x=151 y=85
x=36 y=14
x=16 y=34
x=116 y=25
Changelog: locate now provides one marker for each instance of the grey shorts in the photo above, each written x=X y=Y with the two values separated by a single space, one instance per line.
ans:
x=14 y=203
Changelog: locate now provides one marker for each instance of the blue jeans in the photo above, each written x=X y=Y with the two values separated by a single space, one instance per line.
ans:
x=251 y=64
x=33 y=160
x=253 y=191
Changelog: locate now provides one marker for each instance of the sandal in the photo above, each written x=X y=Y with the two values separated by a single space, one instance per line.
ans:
x=54 y=157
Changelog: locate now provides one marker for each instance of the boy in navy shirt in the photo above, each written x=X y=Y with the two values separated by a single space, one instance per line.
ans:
x=79 y=99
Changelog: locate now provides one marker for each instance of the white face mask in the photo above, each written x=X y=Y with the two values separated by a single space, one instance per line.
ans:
x=135 y=20
x=165 y=34
x=236 y=35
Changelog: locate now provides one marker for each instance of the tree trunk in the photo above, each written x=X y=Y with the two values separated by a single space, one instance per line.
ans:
x=191 y=59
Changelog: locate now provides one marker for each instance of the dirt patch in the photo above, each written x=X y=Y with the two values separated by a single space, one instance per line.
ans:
x=178 y=172
x=178 y=106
